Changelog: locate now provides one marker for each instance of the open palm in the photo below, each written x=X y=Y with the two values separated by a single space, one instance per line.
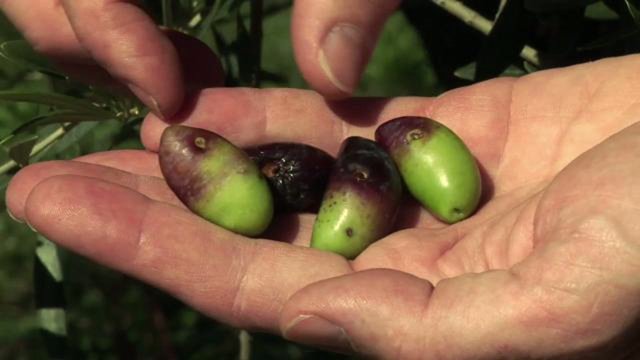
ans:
x=548 y=266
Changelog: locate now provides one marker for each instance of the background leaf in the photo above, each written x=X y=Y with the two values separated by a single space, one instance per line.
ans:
x=55 y=100
x=21 y=53
x=59 y=117
x=49 y=298
x=600 y=11
x=505 y=41
x=19 y=148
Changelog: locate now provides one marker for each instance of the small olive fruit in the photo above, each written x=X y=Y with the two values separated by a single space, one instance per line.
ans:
x=215 y=179
x=297 y=174
x=436 y=166
x=361 y=201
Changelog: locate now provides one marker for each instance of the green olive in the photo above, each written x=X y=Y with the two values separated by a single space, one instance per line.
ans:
x=436 y=166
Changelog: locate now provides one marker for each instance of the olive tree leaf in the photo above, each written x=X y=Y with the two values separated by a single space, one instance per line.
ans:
x=67 y=147
x=19 y=147
x=505 y=41
x=529 y=67
x=167 y=13
x=61 y=117
x=55 y=100
x=49 y=297
x=21 y=53
x=468 y=71
x=600 y=11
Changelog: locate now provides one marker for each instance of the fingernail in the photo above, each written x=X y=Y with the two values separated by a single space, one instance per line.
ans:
x=316 y=331
x=343 y=55
x=147 y=100
x=31 y=226
x=13 y=217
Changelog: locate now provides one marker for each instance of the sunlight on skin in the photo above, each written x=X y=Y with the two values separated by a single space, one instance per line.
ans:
x=559 y=227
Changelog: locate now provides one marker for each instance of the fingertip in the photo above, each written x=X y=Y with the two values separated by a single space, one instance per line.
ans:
x=19 y=188
x=41 y=193
x=150 y=132
x=333 y=41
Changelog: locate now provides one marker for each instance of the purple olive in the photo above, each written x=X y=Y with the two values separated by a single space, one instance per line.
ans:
x=361 y=201
x=297 y=174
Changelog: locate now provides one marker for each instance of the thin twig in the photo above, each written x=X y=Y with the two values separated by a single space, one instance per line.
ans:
x=37 y=148
x=482 y=24
x=245 y=345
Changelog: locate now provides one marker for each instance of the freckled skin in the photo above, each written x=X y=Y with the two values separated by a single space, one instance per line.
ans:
x=215 y=179
x=297 y=174
x=436 y=166
x=361 y=201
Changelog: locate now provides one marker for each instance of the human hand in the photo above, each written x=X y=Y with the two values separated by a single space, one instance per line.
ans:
x=546 y=268
x=115 y=43
x=103 y=40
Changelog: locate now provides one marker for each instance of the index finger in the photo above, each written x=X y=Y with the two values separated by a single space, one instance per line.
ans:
x=242 y=282
x=126 y=42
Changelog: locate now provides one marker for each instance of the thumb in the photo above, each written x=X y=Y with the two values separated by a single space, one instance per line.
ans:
x=493 y=315
x=333 y=41
x=372 y=312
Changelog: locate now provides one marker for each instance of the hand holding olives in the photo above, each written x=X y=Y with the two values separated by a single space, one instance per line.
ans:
x=358 y=195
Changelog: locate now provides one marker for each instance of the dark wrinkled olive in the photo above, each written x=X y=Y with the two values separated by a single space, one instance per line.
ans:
x=297 y=174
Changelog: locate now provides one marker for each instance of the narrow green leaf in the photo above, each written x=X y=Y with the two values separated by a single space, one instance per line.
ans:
x=66 y=144
x=167 y=13
x=62 y=102
x=600 y=11
x=19 y=148
x=47 y=253
x=49 y=298
x=60 y=117
x=21 y=53
x=53 y=320
x=466 y=72
x=528 y=67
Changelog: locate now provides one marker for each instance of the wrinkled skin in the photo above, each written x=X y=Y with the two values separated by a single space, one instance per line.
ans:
x=559 y=227
x=297 y=174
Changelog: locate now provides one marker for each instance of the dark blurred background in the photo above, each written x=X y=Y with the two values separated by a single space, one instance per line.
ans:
x=423 y=51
